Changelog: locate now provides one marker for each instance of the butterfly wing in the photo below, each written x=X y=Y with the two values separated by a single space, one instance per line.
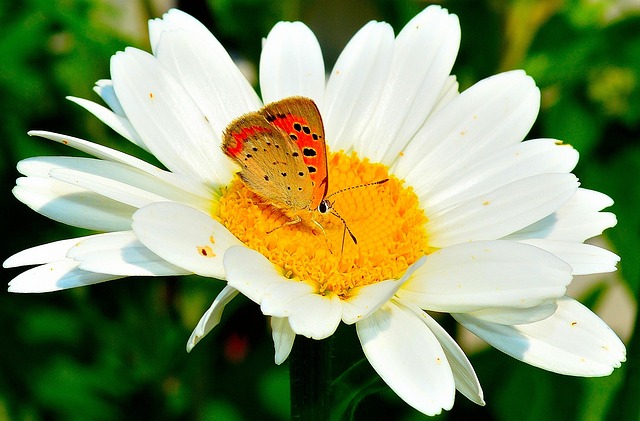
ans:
x=272 y=165
x=300 y=119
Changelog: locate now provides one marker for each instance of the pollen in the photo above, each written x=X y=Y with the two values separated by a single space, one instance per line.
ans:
x=385 y=219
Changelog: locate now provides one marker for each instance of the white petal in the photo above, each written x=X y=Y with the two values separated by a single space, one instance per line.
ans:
x=119 y=124
x=61 y=274
x=585 y=259
x=278 y=299
x=283 y=337
x=579 y=219
x=45 y=253
x=494 y=113
x=184 y=236
x=502 y=211
x=174 y=19
x=72 y=205
x=315 y=316
x=120 y=182
x=251 y=273
x=291 y=64
x=515 y=315
x=111 y=189
x=109 y=154
x=464 y=375
x=408 y=357
x=574 y=341
x=211 y=317
x=484 y=274
x=120 y=253
x=310 y=314
x=205 y=70
x=449 y=91
x=104 y=88
x=423 y=55
x=364 y=300
x=130 y=186
x=510 y=164
x=588 y=199
x=167 y=119
x=355 y=85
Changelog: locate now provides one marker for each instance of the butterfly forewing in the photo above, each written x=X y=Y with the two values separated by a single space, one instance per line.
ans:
x=300 y=119
x=272 y=165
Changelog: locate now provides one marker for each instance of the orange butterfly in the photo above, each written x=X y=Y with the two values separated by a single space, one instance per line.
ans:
x=282 y=151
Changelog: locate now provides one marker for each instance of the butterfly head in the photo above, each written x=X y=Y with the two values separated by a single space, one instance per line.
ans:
x=325 y=206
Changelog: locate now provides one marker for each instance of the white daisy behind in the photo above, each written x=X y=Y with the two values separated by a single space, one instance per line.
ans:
x=473 y=222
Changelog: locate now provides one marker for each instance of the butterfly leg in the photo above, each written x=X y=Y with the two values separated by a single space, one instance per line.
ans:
x=297 y=220
x=294 y=221
x=323 y=233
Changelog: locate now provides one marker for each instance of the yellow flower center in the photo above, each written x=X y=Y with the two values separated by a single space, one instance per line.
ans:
x=386 y=220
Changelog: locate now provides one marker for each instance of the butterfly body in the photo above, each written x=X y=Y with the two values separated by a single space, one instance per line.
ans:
x=282 y=154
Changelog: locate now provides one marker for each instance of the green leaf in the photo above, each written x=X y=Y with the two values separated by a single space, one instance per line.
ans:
x=351 y=387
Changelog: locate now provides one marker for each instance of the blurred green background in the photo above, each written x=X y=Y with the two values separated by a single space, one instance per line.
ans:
x=117 y=350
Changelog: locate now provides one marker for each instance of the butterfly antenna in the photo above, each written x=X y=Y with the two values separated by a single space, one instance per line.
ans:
x=357 y=187
x=346 y=227
x=344 y=233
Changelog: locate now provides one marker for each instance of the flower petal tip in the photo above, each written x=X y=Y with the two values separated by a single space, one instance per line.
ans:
x=192 y=342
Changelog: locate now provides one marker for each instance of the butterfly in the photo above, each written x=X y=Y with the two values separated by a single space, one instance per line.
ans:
x=282 y=153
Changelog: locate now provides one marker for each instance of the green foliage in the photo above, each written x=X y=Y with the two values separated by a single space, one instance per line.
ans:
x=116 y=351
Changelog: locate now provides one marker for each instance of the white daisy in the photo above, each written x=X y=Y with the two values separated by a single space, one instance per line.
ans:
x=473 y=221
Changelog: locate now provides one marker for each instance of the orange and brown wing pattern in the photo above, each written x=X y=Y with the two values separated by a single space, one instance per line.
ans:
x=300 y=119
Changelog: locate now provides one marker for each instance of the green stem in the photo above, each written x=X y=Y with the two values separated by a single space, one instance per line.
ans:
x=310 y=379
